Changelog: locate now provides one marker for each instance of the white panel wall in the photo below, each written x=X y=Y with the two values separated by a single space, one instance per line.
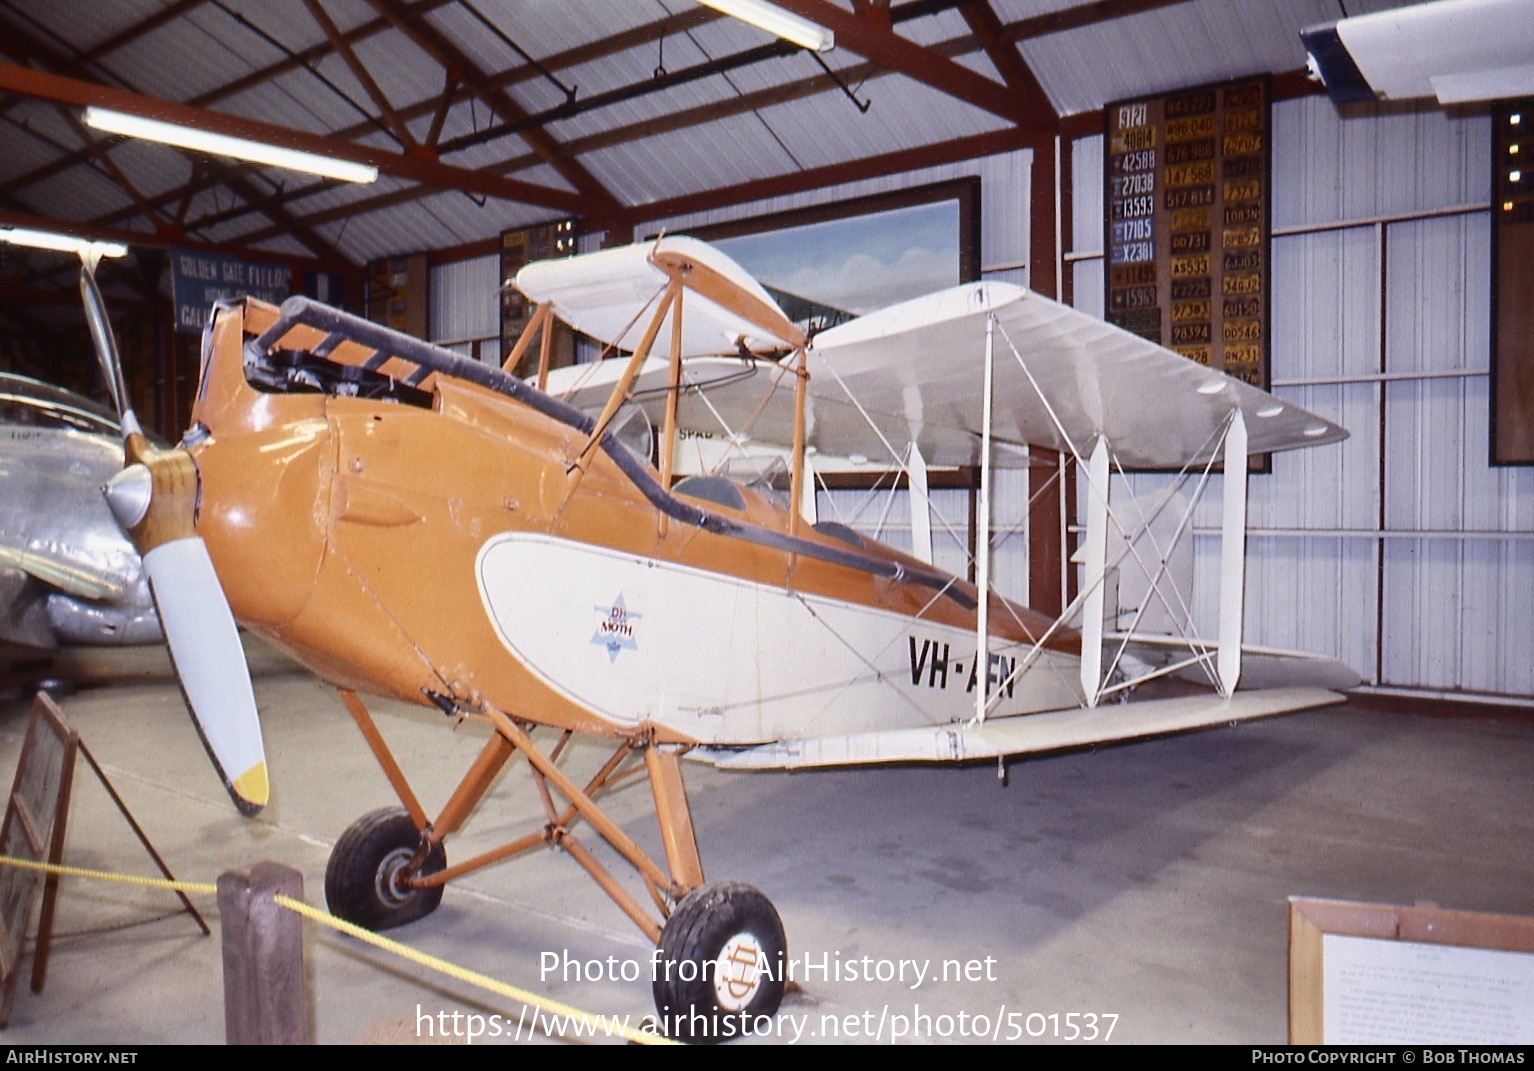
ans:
x=1478 y=593
x=1401 y=551
x=465 y=305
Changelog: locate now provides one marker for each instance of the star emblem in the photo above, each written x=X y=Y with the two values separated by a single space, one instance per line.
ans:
x=615 y=628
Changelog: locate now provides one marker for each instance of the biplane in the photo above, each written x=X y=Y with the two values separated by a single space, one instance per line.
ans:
x=413 y=524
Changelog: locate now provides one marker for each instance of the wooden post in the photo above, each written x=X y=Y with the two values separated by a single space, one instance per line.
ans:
x=264 y=998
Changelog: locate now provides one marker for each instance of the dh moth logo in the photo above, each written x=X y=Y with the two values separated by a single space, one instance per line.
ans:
x=615 y=628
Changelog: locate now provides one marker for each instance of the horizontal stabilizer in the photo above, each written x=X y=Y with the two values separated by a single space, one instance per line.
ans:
x=1261 y=667
x=1058 y=730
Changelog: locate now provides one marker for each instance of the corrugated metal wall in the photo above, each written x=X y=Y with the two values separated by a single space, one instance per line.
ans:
x=1401 y=551
x=465 y=305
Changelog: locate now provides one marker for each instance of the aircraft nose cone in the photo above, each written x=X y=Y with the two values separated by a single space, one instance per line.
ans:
x=127 y=495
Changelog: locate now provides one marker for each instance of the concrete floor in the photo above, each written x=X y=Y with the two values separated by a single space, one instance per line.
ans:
x=1145 y=882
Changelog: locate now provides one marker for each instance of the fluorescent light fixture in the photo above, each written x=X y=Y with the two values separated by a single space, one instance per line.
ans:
x=187 y=137
x=63 y=243
x=776 y=21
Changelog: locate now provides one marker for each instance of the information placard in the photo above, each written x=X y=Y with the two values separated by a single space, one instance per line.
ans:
x=1369 y=974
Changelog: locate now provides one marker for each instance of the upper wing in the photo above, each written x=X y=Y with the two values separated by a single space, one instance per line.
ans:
x=609 y=295
x=912 y=373
x=1062 y=378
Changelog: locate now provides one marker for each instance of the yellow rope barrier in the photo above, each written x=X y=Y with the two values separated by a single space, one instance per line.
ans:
x=104 y=875
x=606 y=1023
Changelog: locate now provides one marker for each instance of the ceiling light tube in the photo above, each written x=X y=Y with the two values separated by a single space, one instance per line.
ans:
x=63 y=243
x=186 y=137
x=776 y=21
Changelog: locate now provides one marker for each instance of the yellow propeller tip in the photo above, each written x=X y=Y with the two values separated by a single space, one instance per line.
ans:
x=252 y=787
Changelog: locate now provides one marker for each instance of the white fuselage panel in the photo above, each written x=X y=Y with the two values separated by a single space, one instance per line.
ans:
x=730 y=661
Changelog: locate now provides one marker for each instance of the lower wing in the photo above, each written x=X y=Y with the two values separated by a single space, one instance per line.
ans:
x=1030 y=734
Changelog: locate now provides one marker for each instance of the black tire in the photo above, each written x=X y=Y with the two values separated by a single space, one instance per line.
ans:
x=361 y=878
x=715 y=926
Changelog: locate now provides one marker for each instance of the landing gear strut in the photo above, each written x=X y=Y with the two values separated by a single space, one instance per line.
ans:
x=722 y=951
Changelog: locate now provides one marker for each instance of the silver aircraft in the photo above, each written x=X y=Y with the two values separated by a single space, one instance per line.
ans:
x=68 y=574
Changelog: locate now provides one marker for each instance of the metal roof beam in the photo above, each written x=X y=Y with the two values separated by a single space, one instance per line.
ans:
x=595 y=197
x=1073 y=18
x=239 y=85
x=71 y=91
x=888 y=49
x=1007 y=60
x=580 y=54
x=1011 y=34
x=360 y=72
x=966 y=148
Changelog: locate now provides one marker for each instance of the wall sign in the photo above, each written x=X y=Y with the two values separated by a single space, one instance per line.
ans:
x=399 y=292
x=1512 y=280
x=547 y=241
x=1186 y=221
x=198 y=279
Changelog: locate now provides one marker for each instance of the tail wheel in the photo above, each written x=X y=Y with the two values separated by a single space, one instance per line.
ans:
x=721 y=963
x=364 y=879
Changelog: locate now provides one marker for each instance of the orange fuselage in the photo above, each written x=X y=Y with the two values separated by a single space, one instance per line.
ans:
x=348 y=531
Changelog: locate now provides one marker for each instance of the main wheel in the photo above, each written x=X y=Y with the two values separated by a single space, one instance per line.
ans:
x=721 y=963
x=363 y=879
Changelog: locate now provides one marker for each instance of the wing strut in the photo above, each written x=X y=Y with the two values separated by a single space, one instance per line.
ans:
x=983 y=537
x=921 y=509
x=671 y=296
x=1233 y=555
x=1094 y=556
x=796 y=487
x=539 y=324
